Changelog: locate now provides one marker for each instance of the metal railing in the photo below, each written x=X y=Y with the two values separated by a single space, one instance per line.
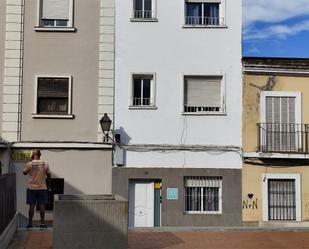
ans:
x=141 y=101
x=188 y=108
x=7 y=199
x=283 y=137
x=143 y=14
x=204 y=21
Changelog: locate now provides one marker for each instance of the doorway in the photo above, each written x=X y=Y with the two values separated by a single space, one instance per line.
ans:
x=144 y=203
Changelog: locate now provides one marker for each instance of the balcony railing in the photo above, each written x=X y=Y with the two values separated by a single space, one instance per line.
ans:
x=283 y=137
x=204 y=21
x=190 y=108
x=142 y=102
x=143 y=14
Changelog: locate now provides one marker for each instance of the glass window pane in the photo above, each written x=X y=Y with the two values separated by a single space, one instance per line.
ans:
x=52 y=106
x=194 y=13
x=48 y=23
x=137 y=90
x=138 y=4
x=211 y=13
x=211 y=199
x=147 y=4
x=53 y=87
x=61 y=23
x=146 y=91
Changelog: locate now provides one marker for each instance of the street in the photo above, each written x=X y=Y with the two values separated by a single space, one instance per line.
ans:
x=185 y=239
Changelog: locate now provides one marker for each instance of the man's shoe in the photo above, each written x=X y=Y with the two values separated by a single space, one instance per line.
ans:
x=43 y=226
x=29 y=226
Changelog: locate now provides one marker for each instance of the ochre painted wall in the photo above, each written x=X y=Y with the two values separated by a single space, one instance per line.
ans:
x=251 y=100
x=253 y=174
x=253 y=183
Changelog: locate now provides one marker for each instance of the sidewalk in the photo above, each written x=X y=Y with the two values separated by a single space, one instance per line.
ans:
x=151 y=239
x=34 y=239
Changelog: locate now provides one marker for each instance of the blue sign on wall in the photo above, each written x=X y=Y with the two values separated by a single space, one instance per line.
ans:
x=172 y=193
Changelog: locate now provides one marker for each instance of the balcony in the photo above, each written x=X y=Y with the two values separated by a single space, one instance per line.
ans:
x=283 y=138
x=204 y=21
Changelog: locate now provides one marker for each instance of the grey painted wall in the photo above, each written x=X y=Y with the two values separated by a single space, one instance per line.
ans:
x=63 y=53
x=84 y=172
x=173 y=211
x=2 y=46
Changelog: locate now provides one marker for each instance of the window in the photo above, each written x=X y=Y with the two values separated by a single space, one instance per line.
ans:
x=143 y=9
x=204 y=13
x=281 y=197
x=55 y=13
x=203 y=195
x=203 y=94
x=142 y=90
x=53 y=96
x=281 y=129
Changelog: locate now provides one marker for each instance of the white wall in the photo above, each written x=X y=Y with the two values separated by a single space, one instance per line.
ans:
x=171 y=51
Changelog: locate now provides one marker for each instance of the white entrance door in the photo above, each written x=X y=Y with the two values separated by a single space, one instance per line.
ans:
x=141 y=204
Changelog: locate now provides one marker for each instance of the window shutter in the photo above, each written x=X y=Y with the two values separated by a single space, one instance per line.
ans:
x=280 y=110
x=203 y=92
x=55 y=9
x=214 y=182
x=203 y=1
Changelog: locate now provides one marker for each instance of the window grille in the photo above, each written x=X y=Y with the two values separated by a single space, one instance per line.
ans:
x=281 y=199
x=203 y=195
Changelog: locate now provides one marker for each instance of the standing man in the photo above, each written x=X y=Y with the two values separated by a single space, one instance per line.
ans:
x=39 y=182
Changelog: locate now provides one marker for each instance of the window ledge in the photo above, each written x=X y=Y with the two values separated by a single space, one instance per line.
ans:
x=143 y=107
x=144 y=20
x=55 y=29
x=46 y=116
x=204 y=113
x=205 y=26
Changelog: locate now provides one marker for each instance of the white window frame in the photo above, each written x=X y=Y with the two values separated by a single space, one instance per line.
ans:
x=142 y=19
x=223 y=95
x=207 y=212
x=152 y=91
x=69 y=27
x=295 y=177
x=222 y=16
x=59 y=116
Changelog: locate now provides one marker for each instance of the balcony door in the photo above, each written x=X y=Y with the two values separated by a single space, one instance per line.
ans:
x=282 y=123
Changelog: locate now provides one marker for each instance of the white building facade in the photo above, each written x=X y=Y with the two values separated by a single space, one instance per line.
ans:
x=178 y=110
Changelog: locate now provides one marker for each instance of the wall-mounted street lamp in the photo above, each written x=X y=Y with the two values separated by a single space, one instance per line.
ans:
x=105 y=123
x=118 y=154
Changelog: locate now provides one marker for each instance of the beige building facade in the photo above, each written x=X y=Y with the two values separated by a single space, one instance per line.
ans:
x=275 y=141
x=56 y=82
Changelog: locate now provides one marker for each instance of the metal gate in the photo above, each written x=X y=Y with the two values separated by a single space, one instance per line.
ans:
x=281 y=199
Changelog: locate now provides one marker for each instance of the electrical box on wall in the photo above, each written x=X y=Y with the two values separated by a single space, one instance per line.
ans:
x=119 y=154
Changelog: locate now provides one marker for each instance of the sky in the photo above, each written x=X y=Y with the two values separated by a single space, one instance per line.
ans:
x=276 y=28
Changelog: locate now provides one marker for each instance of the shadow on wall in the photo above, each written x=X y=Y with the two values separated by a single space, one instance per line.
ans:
x=153 y=240
x=90 y=222
x=125 y=138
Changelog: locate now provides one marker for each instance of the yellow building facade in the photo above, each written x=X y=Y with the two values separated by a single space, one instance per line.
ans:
x=275 y=177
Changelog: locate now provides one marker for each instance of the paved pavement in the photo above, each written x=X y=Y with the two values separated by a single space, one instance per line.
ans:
x=37 y=239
